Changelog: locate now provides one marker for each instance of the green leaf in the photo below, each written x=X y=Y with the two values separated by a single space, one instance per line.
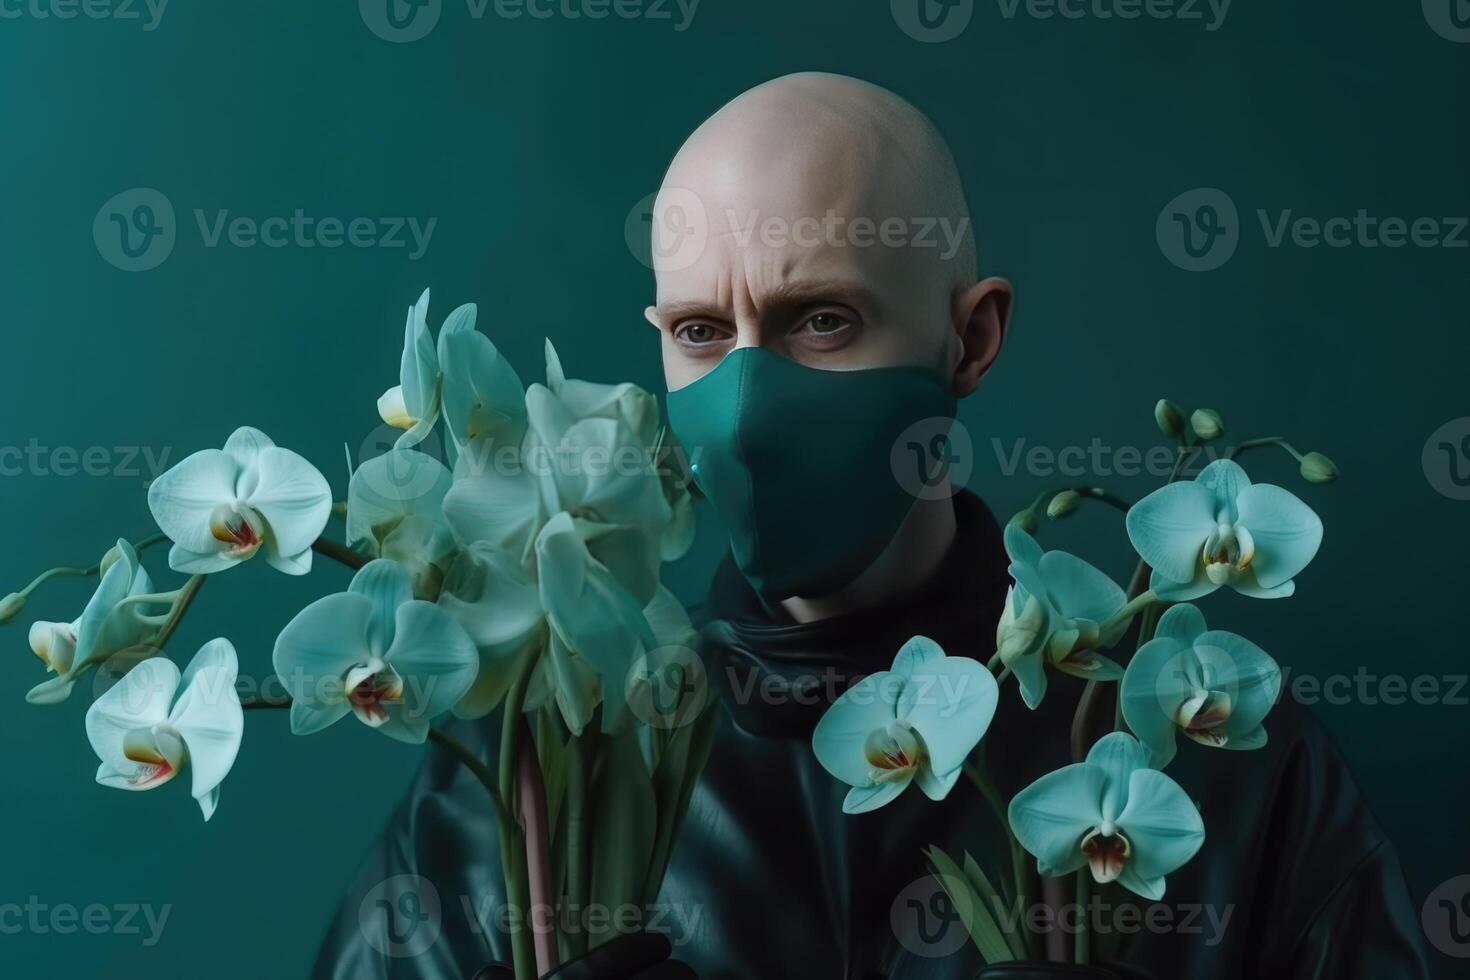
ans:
x=978 y=921
x=624 y=824
x=684 y=754
x=552 y=755
x=982 y=885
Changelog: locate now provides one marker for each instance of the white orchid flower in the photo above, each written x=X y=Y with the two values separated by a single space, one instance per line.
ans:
x=115 y=619
x=595 y=469
x=376 y=652
x=395 y=509
x=144 y=736
x=1220 y=529
x=222 y=506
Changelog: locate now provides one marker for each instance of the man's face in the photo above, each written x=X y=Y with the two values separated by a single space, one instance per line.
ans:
x=815 y=284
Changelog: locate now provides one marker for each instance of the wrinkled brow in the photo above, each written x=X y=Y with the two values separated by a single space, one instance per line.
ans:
x=789 y=294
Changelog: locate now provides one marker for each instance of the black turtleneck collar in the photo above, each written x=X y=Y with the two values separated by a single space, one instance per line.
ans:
x=749 y=644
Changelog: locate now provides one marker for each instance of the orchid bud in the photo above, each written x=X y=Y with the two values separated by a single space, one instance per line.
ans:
x=11 y=606
x=1317 y=468
x=1025 y=520
x=1207 y=424
x=1063 y=504
x=1170 y=418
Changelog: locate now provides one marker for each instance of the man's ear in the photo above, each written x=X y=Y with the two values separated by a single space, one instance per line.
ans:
x=650 y=314
x=981 y=314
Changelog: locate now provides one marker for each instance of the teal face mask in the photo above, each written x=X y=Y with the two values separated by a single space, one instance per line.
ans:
x=804 y=466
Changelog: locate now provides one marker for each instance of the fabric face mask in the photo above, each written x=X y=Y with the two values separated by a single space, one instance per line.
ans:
x=812 y=472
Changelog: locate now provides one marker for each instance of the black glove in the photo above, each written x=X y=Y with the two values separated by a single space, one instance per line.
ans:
x=636 y=956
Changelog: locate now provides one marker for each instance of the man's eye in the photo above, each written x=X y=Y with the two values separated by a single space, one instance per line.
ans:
x=697 y=333
x=826 y=323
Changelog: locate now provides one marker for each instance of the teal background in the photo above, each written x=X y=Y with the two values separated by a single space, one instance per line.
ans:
x=531 y=141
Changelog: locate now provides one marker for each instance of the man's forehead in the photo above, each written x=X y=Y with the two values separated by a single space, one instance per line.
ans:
x=706 y=296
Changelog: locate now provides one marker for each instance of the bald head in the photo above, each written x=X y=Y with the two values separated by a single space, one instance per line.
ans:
x=824 y=218
x=809 y=144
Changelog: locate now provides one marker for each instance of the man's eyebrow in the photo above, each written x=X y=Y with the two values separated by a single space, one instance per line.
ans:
x=795 y=292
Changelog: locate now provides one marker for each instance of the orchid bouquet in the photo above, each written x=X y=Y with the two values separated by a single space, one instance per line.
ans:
x=520 y=574
x=1113 y=815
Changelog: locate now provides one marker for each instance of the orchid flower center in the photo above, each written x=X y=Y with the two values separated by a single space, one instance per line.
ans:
x=238 y=528
x=1228 y=552
x=893 y=751
x=1106 y=850
x=1202 y=714
x=370 y=688
x=159 y=752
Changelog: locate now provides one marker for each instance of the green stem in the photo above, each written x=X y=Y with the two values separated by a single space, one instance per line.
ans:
x=478 y=769
x=339 y=553
x=1134 y=606
x=980 y=776
x=578 y=775
x=1248 y=444
x=139 y=546
x=1083 y=946
x=186 y=599
x=512 y=839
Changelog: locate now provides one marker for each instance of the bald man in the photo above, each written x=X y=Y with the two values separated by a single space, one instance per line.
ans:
x=821 y=311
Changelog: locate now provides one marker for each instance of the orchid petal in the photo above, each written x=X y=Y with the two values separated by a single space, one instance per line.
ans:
x=184 y=499
x=1050 y=817
x=437 y=662
x=1168 y=528
x=842 y=733
x=950 y=703
x=386 y=584
x=1079 y=589
x=1287 y=533
x=293 y=497
x=209 y=719
x=862 y=799
x=1161 y=822
x=313 y=654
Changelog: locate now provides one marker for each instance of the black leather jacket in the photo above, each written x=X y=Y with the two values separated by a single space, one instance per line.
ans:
x=771 y=881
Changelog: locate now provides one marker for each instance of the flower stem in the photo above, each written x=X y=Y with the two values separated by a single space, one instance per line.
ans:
x=578 y=779
x=1248 y=444
x=1082 y=949
x=181 y=605
x=979 y=774
x=1139 y=603
x=339 y=553
x=531 y=799
x=512 y=838
x=140 y=546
